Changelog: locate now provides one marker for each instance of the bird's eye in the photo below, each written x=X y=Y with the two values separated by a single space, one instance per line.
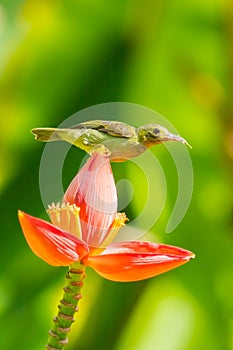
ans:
x=156 y=131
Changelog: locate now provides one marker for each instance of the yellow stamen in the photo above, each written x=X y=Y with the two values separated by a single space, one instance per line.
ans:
x=66 y=216
x=118 y=222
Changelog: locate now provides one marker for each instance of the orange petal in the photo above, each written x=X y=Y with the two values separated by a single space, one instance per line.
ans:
x=53 y=245
x=134 y=261
x=94 y=191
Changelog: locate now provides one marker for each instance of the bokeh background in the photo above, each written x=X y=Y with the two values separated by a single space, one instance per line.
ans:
x=58 y=57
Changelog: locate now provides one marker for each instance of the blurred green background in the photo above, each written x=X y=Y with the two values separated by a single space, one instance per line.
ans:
x=58 y=57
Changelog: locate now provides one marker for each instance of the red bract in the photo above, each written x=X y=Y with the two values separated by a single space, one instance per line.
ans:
x=134 y=261
x=55 y=246
x=93 y=190
x=85 y=224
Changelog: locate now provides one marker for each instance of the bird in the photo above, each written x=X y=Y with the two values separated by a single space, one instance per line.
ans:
x=123 y=141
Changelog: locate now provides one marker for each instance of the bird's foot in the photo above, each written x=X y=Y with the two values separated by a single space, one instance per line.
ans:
x=102 y=150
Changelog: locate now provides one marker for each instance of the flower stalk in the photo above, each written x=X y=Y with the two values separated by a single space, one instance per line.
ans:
x=67 y=308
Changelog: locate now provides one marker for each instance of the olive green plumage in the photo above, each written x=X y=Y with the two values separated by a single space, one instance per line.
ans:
x=123 y=141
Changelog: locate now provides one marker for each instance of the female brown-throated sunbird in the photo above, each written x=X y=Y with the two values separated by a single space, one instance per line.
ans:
x=122 y=140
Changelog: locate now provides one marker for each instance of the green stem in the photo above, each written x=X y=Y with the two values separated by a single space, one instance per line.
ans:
x=67 y=308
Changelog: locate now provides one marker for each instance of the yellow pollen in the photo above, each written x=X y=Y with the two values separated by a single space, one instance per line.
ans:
x=120 y=220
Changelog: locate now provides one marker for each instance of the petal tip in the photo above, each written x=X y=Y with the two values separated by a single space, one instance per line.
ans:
x=20 y=214
x=192 y=256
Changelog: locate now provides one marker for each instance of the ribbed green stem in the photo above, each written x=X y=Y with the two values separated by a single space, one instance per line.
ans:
x=67 y=308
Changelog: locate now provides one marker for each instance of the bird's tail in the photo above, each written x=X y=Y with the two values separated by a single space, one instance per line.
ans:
x=47 y=134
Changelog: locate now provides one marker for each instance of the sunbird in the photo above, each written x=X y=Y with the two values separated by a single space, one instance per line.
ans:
x=122 y=140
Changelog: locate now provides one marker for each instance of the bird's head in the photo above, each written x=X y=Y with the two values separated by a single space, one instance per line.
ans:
x=152 y=134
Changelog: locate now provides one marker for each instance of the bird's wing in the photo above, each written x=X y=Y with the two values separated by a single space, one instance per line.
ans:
x=113 y=128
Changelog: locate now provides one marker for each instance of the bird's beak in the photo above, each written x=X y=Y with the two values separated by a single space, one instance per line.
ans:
x=172 y=137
